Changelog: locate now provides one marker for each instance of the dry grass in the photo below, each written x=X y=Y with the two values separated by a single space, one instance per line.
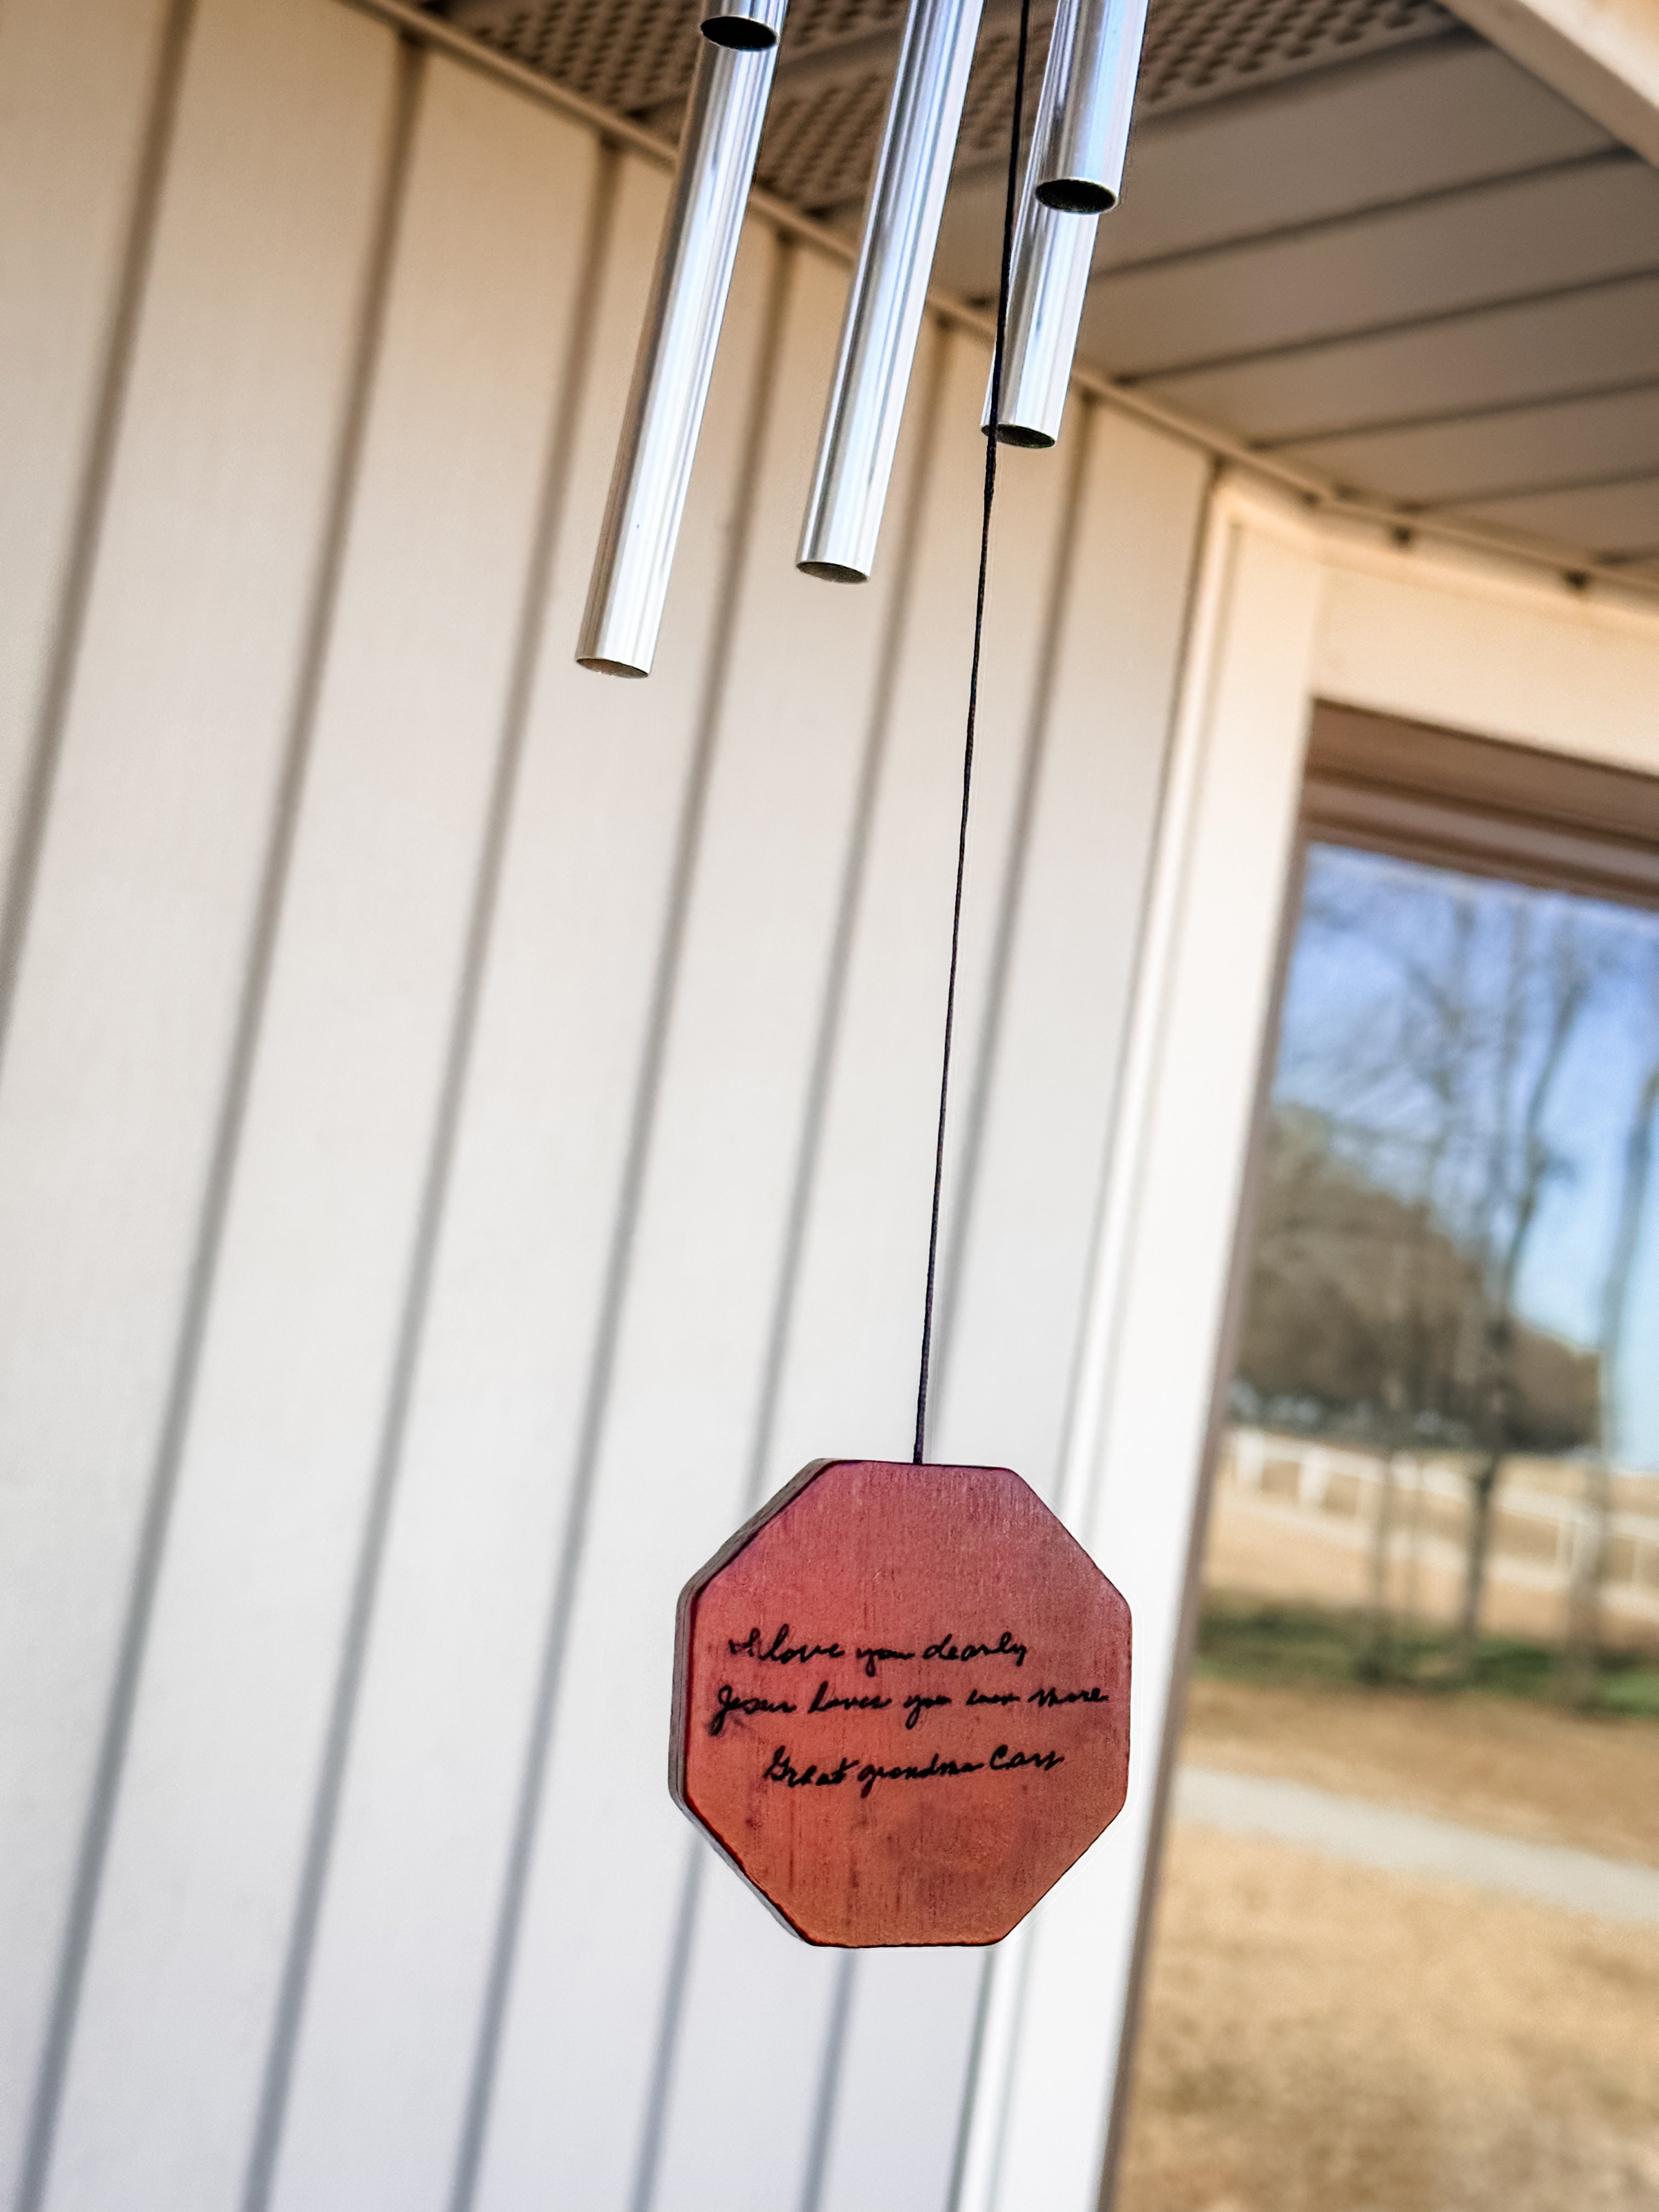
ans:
x=1521 y=1769
x=1286 y=1556
x=1322 y=2038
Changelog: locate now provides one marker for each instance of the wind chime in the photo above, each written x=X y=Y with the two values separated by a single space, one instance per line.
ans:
x=901 y=1689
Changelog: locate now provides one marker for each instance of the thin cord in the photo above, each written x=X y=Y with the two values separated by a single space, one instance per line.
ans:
x=992 y=441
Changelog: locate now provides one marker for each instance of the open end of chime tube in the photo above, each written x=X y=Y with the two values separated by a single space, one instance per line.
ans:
x=1017 y=433
x=602 y=667
x=833 y=572
x=1076 y=196
x=741 y=31
x=1090 y=93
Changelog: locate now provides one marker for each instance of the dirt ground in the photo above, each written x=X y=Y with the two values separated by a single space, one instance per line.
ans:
x=1523 y=1769
x=1322 y=2038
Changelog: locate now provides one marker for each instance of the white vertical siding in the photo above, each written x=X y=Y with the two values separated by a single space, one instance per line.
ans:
x=465 y=1129
x=122 y=1027
x=271 y=1557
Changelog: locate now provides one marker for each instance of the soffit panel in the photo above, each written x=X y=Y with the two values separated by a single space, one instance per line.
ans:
x=1612 y=520
x=1460 y=460
x=1447 y=115
x=1450 y=114
x=1511 y=238
x=1464 y=364
x=836 y=66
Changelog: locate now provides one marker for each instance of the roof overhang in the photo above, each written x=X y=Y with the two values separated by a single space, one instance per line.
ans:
x=1602 y=55
x=1402 y=255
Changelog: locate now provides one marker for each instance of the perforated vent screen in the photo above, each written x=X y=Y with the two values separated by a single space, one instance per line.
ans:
x=1204 y=49
x=636 y=58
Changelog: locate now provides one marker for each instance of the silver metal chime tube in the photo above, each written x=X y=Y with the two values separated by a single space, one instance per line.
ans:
x=890 y=289
x=1053 y=254
x=675 y=358
x=1054 y=247
x=1083 y=172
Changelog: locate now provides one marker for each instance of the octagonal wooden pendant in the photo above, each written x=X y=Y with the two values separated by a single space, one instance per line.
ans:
x=902 y=1702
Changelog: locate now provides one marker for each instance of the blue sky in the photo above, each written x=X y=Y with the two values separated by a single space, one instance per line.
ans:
x=1410 y=988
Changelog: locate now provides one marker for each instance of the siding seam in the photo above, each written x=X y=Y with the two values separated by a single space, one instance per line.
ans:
x=429 y=1219
x=614 y=1294
x=1034 y=750
x=660 y=2088
x=828 y=2096
x=1066 y=539
x=895 y=637
x=469 y=2142
x=895 y=633
x=91 y=503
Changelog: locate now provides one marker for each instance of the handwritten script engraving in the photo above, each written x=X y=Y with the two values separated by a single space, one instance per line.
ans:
x=728 y=1701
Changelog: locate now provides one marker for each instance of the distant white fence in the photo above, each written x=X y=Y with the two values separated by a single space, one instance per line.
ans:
x=1542 y=1523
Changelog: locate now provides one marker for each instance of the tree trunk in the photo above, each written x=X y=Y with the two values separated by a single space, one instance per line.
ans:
x=1590 y=1567
x=1536 y=1163
x=1483 y=1489
x=1374 y=1663
x=1589 y=1563
x=1413 y=1607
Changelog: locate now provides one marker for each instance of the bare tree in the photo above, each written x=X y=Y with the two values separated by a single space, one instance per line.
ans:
x=1479 y=1092
x=1406 y=1200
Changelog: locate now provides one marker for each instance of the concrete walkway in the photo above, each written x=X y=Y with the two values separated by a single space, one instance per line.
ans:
x=1396 y=1842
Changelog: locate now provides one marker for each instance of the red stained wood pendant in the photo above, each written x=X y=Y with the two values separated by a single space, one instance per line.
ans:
x=902 y=1702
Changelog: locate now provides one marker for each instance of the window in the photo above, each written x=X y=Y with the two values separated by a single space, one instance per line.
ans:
x=1428 y=1654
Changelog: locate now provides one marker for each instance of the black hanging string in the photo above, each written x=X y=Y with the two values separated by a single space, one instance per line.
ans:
x=1004 y=283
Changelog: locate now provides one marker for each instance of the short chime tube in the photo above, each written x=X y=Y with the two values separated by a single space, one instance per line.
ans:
x=890 y=289
x=1095 y=56
x=1053 y=256
x=1054 y=247
x=675 y=358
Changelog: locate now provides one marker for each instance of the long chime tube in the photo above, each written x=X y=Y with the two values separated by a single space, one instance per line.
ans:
x=889 y=292
x=675 y=358
x=1097 y=48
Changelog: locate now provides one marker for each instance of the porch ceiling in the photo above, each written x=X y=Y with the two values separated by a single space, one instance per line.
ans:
x=1354 y=235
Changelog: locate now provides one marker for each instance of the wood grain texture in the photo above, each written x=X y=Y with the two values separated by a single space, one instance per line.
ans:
x=902 y=1702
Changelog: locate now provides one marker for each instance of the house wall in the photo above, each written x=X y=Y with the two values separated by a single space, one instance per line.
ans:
x=465 y=1128
x=466 y=1124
